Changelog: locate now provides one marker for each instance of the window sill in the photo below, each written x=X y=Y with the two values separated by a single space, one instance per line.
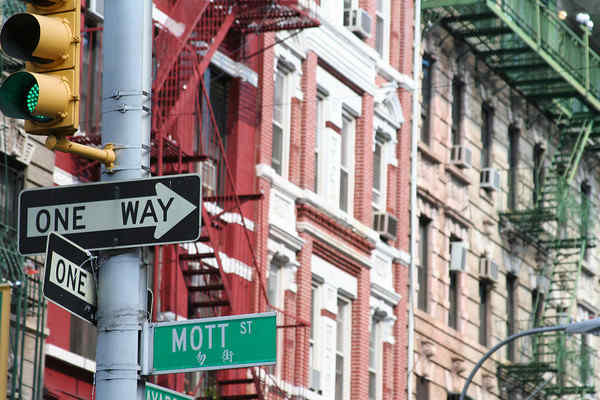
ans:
x=428 y=153
x=458 y=174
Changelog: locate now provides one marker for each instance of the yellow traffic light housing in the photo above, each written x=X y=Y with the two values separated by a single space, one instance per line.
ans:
x=46 y=94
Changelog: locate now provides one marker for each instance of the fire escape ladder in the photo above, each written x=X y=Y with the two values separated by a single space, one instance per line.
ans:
x=552 y=65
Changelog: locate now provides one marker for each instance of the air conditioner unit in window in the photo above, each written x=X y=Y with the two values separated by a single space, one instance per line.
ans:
x=488 y=270
x=458 y=256
x=95 y=10
x=490 y=179
x=209 y=178
x=460 y=156
x=315 y=380
x=358 y=21
x=386 y=225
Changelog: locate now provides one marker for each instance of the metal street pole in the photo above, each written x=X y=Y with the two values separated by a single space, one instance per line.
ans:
x=584 y=327
x=126 y=121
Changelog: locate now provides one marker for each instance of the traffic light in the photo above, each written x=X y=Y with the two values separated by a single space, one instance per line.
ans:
x=46 y=93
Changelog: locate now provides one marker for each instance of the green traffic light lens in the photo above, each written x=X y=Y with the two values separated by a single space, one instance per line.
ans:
x=31 y=102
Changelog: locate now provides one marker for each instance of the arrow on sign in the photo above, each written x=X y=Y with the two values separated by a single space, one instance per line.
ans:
x=163 y=210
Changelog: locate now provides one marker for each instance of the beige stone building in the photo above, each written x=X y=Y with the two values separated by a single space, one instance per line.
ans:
x=507 y=198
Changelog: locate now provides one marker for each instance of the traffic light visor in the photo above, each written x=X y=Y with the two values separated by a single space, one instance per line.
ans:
x=34 y=97
x=43 y=40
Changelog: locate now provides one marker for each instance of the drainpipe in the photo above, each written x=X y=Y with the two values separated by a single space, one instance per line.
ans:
x=416 y=112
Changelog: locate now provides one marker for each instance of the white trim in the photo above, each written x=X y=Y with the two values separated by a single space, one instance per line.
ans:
x=388 y=296
x=70 y=358
x=335 y=279
x=336 y=46
x=266 y=172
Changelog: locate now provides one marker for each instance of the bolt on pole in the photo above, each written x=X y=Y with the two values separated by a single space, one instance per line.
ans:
x=126 y=122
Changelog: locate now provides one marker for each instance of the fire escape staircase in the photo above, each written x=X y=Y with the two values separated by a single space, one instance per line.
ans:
x=184 y=45
x=552 y=65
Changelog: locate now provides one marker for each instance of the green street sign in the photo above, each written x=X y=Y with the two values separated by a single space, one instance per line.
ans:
x=155 y=392
x=234 y=341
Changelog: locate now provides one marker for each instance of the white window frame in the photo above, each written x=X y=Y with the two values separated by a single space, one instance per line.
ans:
x=326 y=161
x=379 y=197
x=314 y=344
x=319 y=133
x=285 y=123
x=345 y=313
x=382 y=11
x=347 y=150
x=376 y=325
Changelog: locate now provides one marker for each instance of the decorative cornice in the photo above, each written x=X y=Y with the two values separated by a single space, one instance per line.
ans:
x=351 y=236
x=385 y=294
x=291 y=240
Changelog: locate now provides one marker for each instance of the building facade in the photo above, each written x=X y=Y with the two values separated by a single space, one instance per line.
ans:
x=506 y=198
x=312 y=122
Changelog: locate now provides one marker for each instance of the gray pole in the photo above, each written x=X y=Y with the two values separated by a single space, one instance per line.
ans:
x=122 y=283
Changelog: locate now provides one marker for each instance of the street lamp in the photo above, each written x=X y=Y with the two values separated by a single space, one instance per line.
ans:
x=584 y=327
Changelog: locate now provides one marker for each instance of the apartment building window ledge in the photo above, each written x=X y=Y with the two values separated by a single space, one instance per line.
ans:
x=388 y=296
x=388 y=72
x=427 y=152
x=458 y=174
x=458 y=217
x=397 y=255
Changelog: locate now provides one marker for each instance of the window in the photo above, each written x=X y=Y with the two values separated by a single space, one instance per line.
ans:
x=373 y=359
x=538 y=172
x=273 y=284
x=342 y=347
x=487 y=126
x=378 y=175
x=484 y=307
x=513 y=164
x=347 y=163
x=423 y=268
x=457 y=109
x=426 y=94
x=422 y=388
x=453 y=291
x=218 y=94
x=11 y=183
x=382 y=28
x=537 y=306
x=511 y=311
x=314 y=318
x=318 y=138
x=334 y=160
x=281 y=106
x=586 y=352
x=586 y=193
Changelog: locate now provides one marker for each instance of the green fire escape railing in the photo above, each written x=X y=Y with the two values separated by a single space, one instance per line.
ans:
x=553 y=66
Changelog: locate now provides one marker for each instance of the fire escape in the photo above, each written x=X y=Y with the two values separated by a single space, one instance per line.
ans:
x=221 y=270
x=552 y=65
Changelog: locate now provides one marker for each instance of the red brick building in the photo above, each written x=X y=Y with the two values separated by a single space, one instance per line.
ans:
x=316 y=121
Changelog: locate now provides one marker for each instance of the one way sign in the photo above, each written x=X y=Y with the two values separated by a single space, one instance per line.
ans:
x=69 y=278
x=112 y=215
